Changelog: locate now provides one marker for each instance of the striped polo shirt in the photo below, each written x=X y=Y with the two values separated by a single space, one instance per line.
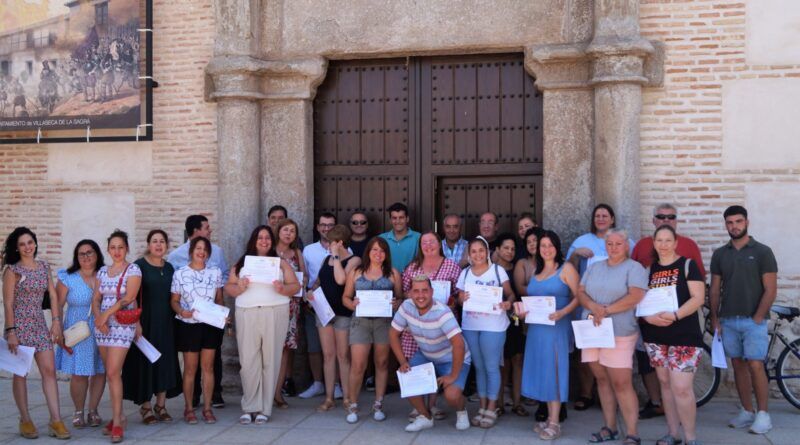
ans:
x=432 y=331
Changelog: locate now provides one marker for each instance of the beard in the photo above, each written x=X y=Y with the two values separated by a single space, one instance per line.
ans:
x=740 y=235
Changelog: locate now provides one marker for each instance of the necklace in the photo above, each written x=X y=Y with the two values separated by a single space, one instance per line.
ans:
x=150 y=261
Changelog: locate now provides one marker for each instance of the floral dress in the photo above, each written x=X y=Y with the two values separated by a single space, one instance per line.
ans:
x=85 y=358
x=119 y=335
x=28 y=314
x=294 y=311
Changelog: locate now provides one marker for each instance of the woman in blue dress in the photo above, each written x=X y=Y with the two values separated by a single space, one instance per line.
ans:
x=75 y=287
x=545 y=371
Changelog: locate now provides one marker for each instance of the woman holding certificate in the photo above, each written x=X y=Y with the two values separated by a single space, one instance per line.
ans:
x=672 y=338
x=485 y=293
x=372 y=291
x=198 y=341
x=609 y=292
x=262 y=320
x=545 y=375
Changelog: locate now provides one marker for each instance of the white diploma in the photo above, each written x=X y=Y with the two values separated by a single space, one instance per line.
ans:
x=483 y=299
x=718 y=352
x=19 y=363
x=299 y=276
x=374 y=303
x=539 y=310
x=658 y=299
x=321 y=307
x=420 y=380
x=148 y=349
x=210 y=313
x=441 y=291
x=595 y=259
x=587 y=335
x=261 y=269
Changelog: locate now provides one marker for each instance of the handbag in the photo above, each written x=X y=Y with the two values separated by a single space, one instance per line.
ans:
x=127 y=316
x=78 y=332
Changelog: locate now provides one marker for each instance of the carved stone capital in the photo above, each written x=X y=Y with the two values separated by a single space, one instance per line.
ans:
x=250 y=78
x=558 y=66
x=618 y=59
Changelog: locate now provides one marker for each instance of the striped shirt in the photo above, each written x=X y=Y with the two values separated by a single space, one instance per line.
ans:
x=432 y=331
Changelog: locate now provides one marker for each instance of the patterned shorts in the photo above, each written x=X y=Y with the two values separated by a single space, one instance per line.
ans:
x=674 y=358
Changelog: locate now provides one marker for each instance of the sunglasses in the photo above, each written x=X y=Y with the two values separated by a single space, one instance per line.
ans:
x=359 y=223
x=669 y=217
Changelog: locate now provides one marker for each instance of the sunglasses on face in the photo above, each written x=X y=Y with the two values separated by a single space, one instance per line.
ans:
x=669 y=217
x=359 y=223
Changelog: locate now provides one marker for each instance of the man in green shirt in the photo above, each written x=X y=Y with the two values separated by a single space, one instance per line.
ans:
x=403 y=241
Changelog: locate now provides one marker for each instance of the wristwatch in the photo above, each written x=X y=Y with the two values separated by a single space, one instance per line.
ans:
x=335 y=257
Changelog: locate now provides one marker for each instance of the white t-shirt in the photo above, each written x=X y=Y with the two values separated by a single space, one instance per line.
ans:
x=193 y=284
x=475 y=321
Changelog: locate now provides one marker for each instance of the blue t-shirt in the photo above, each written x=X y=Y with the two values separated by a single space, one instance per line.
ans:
x=403 y=250
x=598 y=247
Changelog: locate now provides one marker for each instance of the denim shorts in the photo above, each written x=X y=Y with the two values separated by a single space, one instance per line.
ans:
x=442 y=369
x=743 y=338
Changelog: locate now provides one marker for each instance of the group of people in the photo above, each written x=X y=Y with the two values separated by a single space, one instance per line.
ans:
x=603 y=275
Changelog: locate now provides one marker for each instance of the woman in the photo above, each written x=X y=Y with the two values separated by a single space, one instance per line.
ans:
x=286 y=248
x=525 y=222
x=546 y=369
x=262 y=320
x=673 y=340
x=142 y=379
x=485 y=333
x=25 y=282
x=197 y=341
x=612 y=288
x=430 y=261
x=76 y=286
x=119 y=287
x=526 y=266
x=335 y=335
x=374 y=273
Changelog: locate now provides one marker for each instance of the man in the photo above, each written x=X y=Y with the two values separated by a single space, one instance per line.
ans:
x=440 y=341
x=744 y=282
x=276 y=214
x=663 y=215
x=195 y=226
x=359 y=226
x=487 y=227
x=402 y=241
x=454 y=245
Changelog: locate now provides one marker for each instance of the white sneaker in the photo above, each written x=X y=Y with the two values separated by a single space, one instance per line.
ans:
x=337 y=391
x=744 y=419
x=316 y=389
x=377 y=411
x=462 y=420
x=352 y=413
x=419 y=424
x=762 y=424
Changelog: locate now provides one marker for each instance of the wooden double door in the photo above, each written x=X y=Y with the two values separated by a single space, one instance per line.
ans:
x=443 y=135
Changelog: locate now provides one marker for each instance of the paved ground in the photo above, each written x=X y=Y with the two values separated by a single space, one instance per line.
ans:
x=300 y=425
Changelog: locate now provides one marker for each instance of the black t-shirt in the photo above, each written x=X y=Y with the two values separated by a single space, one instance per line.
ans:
x=333 y=291
x=684 y=332
x=358 y=247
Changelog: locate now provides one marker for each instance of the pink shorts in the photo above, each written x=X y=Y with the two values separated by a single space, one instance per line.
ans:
x=620 y=356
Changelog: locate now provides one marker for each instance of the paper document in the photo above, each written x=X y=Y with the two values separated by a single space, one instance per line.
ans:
x=718 y=352
x=261 y=269
x=148 y=349
x=595 y=259
x=321 y=307
x=658 y=299
x=539 y=310
x=374 y=303
x=587 y=335
x=210 y=313
x=299 y=276
x=420 y=380
x=483 y=299
x=19 y=363
x=441 y=291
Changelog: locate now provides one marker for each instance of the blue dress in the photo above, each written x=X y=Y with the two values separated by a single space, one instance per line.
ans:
x=85 y=358
x=547 y=347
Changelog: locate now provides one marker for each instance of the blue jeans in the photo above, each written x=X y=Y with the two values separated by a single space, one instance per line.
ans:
x=486 y=349
x=743 y=338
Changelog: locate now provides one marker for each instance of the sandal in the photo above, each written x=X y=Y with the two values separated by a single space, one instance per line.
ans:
x=327 y=405
x=281 y=404
x=539 y=427
x=208 y=416
x=117 y=434
x=550 y=432
x=499 y=411
x=245 y=419
x=261 y=419
x=667 y=439
x=520 y=411
x=148 y=418
x=107 y=429
x=583 y=403
x=94 y=418
x=161 y=413
x=489 y=419
x=476 y=419
x=189 y=416
x=632 y=440
x=604 y=435
x=77 y=419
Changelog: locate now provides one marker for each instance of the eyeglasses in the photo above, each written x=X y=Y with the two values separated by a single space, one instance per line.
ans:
x=88 y=254
x=669 y=217
x=359 y=223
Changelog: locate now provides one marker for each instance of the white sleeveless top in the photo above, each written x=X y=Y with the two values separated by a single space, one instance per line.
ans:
x=260 y=294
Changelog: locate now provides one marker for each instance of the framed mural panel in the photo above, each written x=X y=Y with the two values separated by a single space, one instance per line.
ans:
x=76 y=70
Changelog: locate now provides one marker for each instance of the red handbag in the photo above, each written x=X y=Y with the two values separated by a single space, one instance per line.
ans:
x=128 y=316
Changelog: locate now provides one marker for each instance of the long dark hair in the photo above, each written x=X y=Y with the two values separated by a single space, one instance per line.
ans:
x=97 y=254
x=251 y=246
x=10 y=251
x=610 y=212
x=386 y=267
x=654 y=253
x=533 y=231
x=559 y=258
x=418 y=259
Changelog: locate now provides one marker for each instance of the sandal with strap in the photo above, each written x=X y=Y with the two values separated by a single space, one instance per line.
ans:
x=632 y=440
x=245 y=419
x=489 y=419
x=107 y=429
x=476 y=419
x=520 y=411
x=551 y=432
x=117 y=434
x=261 y=419
x=94 y=418
x=208 y=416
x=668 y=439
x=161 y=413
x=189 y=416
x=327 y=405
x=539 y=427
x=148 y=418
x=604 y=435
x=77 y=419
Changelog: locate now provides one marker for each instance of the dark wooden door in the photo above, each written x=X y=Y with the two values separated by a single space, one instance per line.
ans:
x=442 y=134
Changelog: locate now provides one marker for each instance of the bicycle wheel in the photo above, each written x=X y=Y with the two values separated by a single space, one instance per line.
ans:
x=706 y=379
x=787 y=372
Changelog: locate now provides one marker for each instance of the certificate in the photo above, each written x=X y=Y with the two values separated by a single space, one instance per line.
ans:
x=587 y=335
x=374 y=303
x=261 y=269
x=539 y=310
x=420 y=380
x=658 y=299
x=148 y=349
x=19 y=363
x=210 y=313
x=718 y=352
x=321 y=307
x=441 y=291
x=299 y=276
x=483 y=299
